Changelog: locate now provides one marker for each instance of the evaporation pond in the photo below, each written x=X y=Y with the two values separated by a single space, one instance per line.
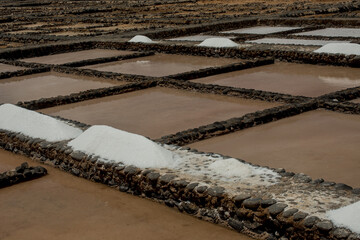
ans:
x=61 y=206
x=160 y=65
x=290 y=78
x=320 y=143
x=9 y=68
x=158 y=111
x=69 y=57
x=45 y=85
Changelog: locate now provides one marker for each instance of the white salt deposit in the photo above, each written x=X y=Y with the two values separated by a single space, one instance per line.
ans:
x=333 y=32
x=120 y=146
x=141 y=39
x=348 y=217
x=35 y=125
x=218 y=43
x=285 y=41
x=195 y=38
x=341 y=48
x=261 y=30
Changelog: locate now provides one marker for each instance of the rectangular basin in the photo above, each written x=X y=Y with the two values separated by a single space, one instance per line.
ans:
x=161 y=65
x=158 y=111
x=290 y=78
x=9 y=68
x=45 y=85
x=320 y=143
x=69 y=57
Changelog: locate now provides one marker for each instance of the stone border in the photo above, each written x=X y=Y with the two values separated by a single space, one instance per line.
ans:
x=259 y=218
x=20 y=174
x=344 y=107
x=19 y=73
x=235 y=124
x=84 y=95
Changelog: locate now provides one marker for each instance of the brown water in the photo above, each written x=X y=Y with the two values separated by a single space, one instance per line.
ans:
x=157 y=112
x=44 y=85
x=61 y=206
x=76 y=56
x=161 y=65
x=320 y=143
x=9 y=68
x=296 y=79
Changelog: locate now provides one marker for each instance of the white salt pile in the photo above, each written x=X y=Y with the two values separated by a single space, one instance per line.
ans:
x=120 y=146
x=35 y=125
x=341 y=48
x=348 y=217
x=195 y=38
x=218 y=43
x=141 y=39
x=286 y=41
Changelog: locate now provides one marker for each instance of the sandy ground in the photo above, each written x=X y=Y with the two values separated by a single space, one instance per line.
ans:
x=158 y=111
x=61 y=206
x=320 y=143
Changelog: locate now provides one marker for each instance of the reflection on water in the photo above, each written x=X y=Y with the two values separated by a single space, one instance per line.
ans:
x=340 y=82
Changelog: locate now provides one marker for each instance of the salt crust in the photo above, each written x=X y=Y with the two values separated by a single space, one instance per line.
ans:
x=287 y=41
x=112 y=144
x=340 y=48
x=141 y=39
x=348 y=217
x=333 y=32
x=261 y=30
x=218 y=43
x=35 y=125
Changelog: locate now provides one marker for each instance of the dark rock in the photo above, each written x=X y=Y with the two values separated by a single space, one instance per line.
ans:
x=356 y=191
x=169 y=203
x=22 y=167
x=288 y=213
x=190 y=207
x=324 y=226
x=77 y=155
x=75 y=171
x=239 y=199
x=166 y=179
x=201 y=189
x=252 y=203
x=267 y=203
x=123 y=188
x=191 y=186
x=328 y=184
x=277 y=208
x=153 y=176
x=310 y=221
x=341 y=233
x=235 y=224
x=317 y=181
x=300 y=177
x=131 y=170
x=299 y=216
x=216 y=191
x=342 y=186
x=180 y=183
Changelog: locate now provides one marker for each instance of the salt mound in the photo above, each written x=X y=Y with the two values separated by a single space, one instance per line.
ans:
x=218 y=43
x=348 y=217
x=120 y=146
x=232 y=167
x=35 y=125
x=342 y=48
x=141 y=39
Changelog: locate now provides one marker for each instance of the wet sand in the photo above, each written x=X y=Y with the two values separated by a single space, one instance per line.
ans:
x=76 y=56
x=61 y=206
x=159 y=111
x=9 y=68
x=44 y=85
x=320 y=143
x=161 y=65
x=289 y=78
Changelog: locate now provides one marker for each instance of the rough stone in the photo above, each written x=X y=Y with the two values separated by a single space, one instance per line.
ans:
x=252 y=203
x=201 y=189
x=310 y=221
x=153 y=176
x=299 y=216
x=341 y=233
x=239 y=199
x=235 y=224
x=277 y=208
x=77 y=155
x=324 y=226
x=166 y=179
x=216 y=191
x=267 y=203
x=290 y=212
x=342 y=186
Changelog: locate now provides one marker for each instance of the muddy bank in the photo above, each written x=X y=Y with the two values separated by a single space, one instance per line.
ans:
x=60 y=206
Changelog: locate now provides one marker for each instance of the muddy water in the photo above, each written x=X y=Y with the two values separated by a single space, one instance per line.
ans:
x=9 y=68
x=76 y=56
x=320 y=143
x=161 y=65
x=296 y=79
x=44 y=85
x=61 y=206
x=157 y=112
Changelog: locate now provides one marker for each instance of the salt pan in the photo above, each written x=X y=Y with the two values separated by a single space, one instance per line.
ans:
x=348 y=217
x=35 y=125
x=120 y=146
x=340 y=48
